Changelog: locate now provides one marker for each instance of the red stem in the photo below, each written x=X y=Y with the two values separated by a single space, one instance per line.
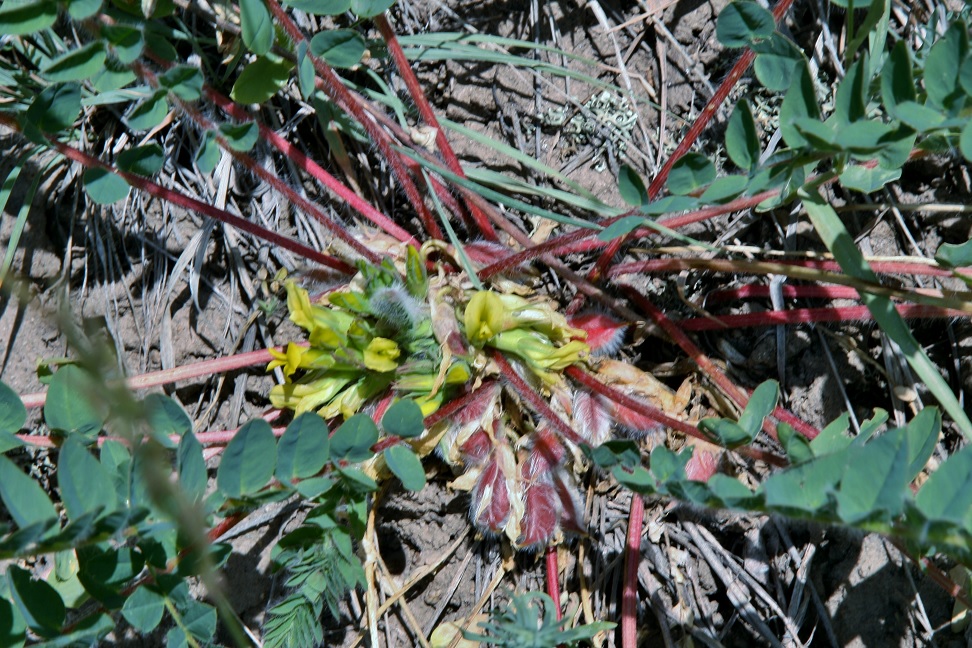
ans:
x=527 y=393
x=804 y=315
x=339 y=93
x=185 y=372
x=656 y=414
x=428 y=116
x=688 y=140
x=632 y=559
x=553 y=578
x=754 y=291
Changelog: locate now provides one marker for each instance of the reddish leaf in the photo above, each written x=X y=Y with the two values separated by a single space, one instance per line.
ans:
x=546 y=444
x=571 y=506
x=540 y=514
x=477 y=447
x=703 y=464
x=491 y=504
x=482 y=399
x=485 y=252
x=591 y=417
x=632 y=420
x=604 y=334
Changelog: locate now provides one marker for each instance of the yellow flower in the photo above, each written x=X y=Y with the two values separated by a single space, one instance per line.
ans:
x=300 y=357
x=485 y=316
x=381 y=354
x=327 y=327
x=539 y=353
x=308 y=396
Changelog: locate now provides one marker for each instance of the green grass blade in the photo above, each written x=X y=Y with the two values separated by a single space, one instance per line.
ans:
x=21 y=222
x=840 y=243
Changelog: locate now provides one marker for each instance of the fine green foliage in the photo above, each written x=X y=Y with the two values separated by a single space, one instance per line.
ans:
x=530 y=621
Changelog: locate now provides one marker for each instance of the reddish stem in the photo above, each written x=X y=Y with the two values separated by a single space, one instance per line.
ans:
x=632 y=559
x=428 y=115
x=176 y=198
x=553 y=578
x=339 y=93
x=185 y=372
x=688 y=140
x=756 y=291
x=527 y=393
x=314 y=169
x=804 y=315
x=656 y=414
x=712 y=371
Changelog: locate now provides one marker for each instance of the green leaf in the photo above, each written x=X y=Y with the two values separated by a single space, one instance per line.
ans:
x=12 y=626
x=184 y=81
x=143 y=609
x=864 y=137
x=743 y=22
x=965 y=75
x=256 y=26
x=208 y=154
x=874 y=486
x=806 y=488
x=850 y=103
x=636 y=479
x=692 y=171
x=621 y=227
x=142 y=160
x=55 y=108
x=732 y=492
x=191 y=466
x=618 y=451
x=104 y=187
x=947 y=495
x=631 y=187
x=261 y=80
x=126 y=41
x=867 y=180
x=724 y=189
x=742 y=140
x=305 y=68
x=38 y=602
x=921 y=118
x=314 y=487
x=240 y=137
x=76 y=65
x=357 y=482
x=22 y=18
x=897 y=81
x=817 y=134
x=105 y=571
x=84 y=484
x=799 y=102
x=761 y=404
x=13 y=414
x=69 y=406
x=896 y=147
x=942 y=66
x=954 y=256
x=404 y=419
x=405 y=465
x=83 y=9
x=320 y=7
x=148 y=114
x=370 y=8
x=166 y=417
x=303 y=449
x=24 y=499
x=248 y=461
x=113 y=77
x=340 y=48
x=797 y=447
x=416 y=275
x=777 y=59
x=200 y=620
x=922 y=433
x=353 y=440
x=725 y=432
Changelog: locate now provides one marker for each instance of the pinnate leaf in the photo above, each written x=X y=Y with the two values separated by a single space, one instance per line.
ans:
x=256 y=26
x=404 y=419
x=38 y=602
x=76 y=65
x=248 y=461
x=84 y=484
x=692 y=171
x=353 y=440
x=303 y=449
x=743 y=22
x=340 y=48
x=742 y=141
x=405 y=465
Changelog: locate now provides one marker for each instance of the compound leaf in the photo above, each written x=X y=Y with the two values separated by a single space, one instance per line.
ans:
x=341 y=48
x=404 y=419
x=353 y=440
x=405 y=465
x=84 y=483
x=743 y=22
x=256 y=26
x=303 y=449
x=248 y=461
